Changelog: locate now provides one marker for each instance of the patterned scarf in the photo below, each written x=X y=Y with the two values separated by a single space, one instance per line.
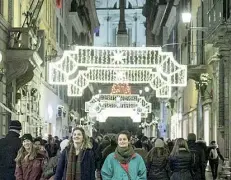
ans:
x=73 y=166
x=124 y=154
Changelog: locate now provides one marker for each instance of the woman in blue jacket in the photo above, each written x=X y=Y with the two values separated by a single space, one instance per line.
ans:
x=77 y=160
x=124 y=163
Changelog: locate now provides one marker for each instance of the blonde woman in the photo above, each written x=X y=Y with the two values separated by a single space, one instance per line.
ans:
x=181 y=161
x=77 y=160
x=29 y=163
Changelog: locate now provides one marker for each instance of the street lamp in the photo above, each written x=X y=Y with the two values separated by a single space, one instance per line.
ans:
x=186 y=17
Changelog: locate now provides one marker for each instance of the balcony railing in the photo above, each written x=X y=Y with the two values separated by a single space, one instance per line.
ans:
x=23 y=38
x=219 y=14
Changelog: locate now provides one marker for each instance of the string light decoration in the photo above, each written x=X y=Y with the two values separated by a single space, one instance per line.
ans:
x=121 y=89
x=145 y=124
x=104 y=105
x=132 y=65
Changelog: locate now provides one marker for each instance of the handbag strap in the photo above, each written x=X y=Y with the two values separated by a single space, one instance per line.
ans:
x=129 y=176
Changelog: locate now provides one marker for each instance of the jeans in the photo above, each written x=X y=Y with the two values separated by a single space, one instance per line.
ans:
x=214 y=167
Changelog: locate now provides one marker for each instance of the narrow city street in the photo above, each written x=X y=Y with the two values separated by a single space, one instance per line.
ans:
x=115 y=89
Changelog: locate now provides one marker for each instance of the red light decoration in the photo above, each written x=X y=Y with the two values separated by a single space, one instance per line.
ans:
x=59 y=4
x=123 y=88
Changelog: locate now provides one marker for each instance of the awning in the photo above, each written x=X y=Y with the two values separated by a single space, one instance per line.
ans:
x=6 y=108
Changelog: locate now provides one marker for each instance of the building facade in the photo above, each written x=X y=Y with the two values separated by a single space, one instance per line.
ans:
x=109 y=13
x=35 y=33
x=202 y=107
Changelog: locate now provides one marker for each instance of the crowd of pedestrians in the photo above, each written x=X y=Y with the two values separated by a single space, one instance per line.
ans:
x=108 y=157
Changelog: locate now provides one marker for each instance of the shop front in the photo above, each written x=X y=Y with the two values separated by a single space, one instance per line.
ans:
x=54 y=113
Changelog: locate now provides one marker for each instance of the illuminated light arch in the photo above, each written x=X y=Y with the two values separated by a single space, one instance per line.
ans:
x=139 y=65
x=103 y=106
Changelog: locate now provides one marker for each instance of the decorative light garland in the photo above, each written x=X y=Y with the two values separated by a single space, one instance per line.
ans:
x=145 y=124
x=121 y=89
x=112 y=102
x=133 y=65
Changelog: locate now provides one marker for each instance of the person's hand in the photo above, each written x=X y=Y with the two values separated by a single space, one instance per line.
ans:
x=98 y=174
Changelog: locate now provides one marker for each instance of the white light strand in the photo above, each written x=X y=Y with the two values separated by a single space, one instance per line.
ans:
x=117 y=65
x=100 y=102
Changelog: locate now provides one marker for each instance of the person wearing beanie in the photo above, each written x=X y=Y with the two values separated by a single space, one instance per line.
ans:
x=29 y=162
x=9 y=147
x=157 y=162
x=200 y=157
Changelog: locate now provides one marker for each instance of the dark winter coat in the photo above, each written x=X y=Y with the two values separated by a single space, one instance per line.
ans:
x=87 y=165
x=181 y=166
x=199 y=160
x=201 y=145
x=9 y=147
x=99 y=158
x=158 y=169
x=108 y=150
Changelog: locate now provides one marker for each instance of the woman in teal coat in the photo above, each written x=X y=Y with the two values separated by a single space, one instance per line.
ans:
x=124 y=163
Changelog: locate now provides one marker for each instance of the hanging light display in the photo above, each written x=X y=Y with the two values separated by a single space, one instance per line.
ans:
x=121 y=89
x=118 y=65
x=130 y=105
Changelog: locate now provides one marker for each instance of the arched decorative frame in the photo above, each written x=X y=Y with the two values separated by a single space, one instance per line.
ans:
x=103 y=106
x=83 y=65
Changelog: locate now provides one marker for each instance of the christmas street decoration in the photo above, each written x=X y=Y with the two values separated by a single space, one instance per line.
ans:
x=145 y=124
x=104 y=105
x=121 y=89
x=133 y=65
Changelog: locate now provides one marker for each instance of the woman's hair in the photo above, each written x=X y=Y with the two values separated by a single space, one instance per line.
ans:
x=86 y=141
x=125 y=133
x=22 y=153
x=180 y=143
x=157 y=152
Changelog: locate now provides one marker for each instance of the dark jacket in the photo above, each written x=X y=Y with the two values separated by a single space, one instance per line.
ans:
x=9 y=147
x=199 y=160
x=87 y=165
x=158 y=169
x=108 y=150
x=181 y=166
x=100 y=149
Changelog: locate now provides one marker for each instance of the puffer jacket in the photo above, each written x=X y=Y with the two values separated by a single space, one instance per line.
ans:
x=158 y=169
x=181 y=166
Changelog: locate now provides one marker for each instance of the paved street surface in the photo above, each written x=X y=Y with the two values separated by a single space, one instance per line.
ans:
x=209 y=176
